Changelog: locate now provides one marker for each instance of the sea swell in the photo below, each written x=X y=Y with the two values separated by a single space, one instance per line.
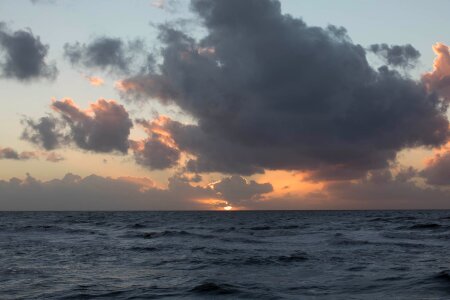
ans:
x=213 y=255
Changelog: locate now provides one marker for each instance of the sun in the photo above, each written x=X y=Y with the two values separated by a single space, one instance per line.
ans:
x=228 y=207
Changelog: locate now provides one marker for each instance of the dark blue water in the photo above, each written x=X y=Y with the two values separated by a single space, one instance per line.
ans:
x=225 y=255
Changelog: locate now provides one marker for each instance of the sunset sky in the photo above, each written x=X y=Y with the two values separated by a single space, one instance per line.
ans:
x=227 y=104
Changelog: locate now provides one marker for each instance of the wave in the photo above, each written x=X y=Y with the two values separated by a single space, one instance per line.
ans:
x=341 y=240
x=257 y=260
x=211 y=288
x=53 y=229
x=392 y=219
x=143 y=248
x=258 y=228
x=443 y=276
x=426 y=226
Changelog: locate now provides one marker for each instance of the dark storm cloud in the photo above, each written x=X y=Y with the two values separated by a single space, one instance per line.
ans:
x=105 y=127
x=238 y=191
x=105 y=53
x=396 y=55
x=270 y=92
x=437 y=171
x=23 y=56
x=45 y=132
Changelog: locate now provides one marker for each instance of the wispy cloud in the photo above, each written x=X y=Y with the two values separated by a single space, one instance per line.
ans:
x=95 y=80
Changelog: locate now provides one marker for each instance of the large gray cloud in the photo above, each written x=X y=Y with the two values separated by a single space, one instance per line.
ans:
x=104 y=127
x=270 y=92
x=105 y=53
x=23 y=56
x=396 y=55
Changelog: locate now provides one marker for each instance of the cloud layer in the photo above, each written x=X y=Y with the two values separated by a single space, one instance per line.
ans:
x=379 y=190
x=125 y=193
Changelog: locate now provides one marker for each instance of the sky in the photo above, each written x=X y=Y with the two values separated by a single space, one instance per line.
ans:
x=227 y=104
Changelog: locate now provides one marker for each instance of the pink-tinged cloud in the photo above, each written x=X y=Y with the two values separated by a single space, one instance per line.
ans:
x=438 y=80
x=54 y=157
x=158 y=3
x=168 y=5
x=95 y=81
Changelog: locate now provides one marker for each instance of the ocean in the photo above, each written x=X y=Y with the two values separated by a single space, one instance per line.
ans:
x=225 y=255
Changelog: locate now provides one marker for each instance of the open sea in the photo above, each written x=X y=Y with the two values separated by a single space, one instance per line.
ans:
x=225 y=255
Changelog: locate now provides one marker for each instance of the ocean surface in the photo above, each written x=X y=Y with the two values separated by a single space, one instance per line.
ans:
x=225 y=255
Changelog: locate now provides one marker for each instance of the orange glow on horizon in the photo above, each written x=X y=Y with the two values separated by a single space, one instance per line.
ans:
x=217 y=204
x=288 y=182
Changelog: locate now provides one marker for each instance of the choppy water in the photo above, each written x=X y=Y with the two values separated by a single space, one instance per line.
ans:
x=225 y=255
